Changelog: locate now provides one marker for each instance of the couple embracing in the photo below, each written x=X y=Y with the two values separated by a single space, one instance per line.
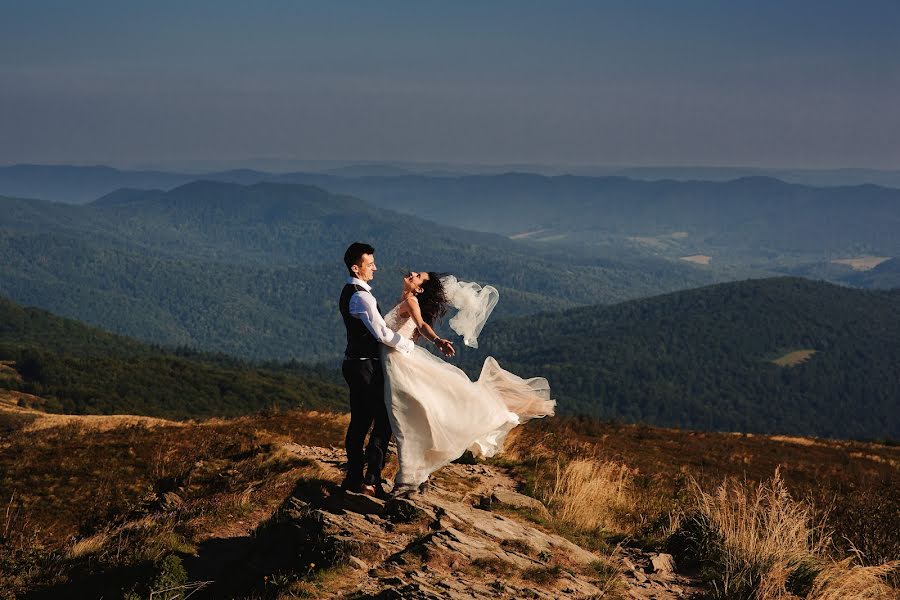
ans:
x=432 y=408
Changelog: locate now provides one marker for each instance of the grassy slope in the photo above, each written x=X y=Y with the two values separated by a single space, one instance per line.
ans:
x=84 y=481
x=702 y=358
x=84 y=370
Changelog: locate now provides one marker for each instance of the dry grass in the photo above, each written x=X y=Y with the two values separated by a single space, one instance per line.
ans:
x=758 y=538
x=844 y=581
x=591 y=495
x=760 y=543
x=98 y=422
x=88 y=545
x=799 y=441
x=856 y=491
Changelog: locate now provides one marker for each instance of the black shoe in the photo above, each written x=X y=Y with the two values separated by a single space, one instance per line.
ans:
x=381 y=493
x=352 y=485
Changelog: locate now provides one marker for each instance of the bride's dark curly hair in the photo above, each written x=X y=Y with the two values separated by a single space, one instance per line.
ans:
x=433 y=300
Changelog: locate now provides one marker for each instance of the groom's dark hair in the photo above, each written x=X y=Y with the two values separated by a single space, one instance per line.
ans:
x=353 y=255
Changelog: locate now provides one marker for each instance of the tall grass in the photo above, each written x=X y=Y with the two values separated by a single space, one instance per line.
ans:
x=590 y=494
x=843 y=580
x=758 y=543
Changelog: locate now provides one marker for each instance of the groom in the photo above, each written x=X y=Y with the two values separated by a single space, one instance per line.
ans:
x=366 y=331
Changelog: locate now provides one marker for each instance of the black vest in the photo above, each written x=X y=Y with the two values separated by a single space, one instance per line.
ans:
x=360 y=342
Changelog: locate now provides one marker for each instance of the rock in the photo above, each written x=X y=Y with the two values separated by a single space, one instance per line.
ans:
x=406 y=511
x=439 y=546
x=636 y=574
x=521 y=501
x=362 y=504
x=453 y=584
x=662 y=564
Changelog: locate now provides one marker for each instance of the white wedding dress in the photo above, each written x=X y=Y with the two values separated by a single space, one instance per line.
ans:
x=437 y=412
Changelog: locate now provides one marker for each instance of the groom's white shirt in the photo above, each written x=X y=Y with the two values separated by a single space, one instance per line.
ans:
x=364 y=308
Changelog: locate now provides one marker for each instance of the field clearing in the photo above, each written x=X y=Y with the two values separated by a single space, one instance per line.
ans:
x=8 y=372
x=794 y=358
x=649 y=241
x=862 y=263
x=660 y=242
x=527 y=234
x=697 y=259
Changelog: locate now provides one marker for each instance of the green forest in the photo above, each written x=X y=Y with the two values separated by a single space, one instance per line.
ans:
x=255 y=271
x=84 y=370
x=703 y=358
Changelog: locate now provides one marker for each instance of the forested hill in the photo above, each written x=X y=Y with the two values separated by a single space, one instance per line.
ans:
x=748 y=226
x=254 y=271
x=83 y=370
x=781 y=355
x=759 y=211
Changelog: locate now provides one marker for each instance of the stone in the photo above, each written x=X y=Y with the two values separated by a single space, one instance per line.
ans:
x=662 y=564
x=405 y=511
x=520 y=501
x=357 y=563
x=362 y=504
x=636 y=574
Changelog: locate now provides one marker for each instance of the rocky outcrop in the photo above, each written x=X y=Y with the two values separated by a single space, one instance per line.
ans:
x=472 y=535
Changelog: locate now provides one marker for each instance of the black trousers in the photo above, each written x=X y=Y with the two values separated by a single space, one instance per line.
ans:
x=367 y=409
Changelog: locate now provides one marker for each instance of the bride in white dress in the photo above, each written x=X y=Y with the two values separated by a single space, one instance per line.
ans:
x=436 y=411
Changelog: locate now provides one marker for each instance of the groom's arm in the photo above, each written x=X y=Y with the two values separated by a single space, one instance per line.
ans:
x=363 y=307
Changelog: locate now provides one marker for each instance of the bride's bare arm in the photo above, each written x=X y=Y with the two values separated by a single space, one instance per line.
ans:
x=425 y=330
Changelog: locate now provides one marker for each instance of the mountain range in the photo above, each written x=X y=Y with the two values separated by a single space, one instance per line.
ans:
x=254 y=270
x=745 y=227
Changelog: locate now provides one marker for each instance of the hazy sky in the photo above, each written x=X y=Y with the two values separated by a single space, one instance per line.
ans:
x=758 y=83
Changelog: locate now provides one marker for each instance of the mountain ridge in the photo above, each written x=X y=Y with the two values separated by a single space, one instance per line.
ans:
x=703 y=358
x=247 y=269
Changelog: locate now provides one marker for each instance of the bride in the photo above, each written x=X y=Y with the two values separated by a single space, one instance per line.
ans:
x=435 y=410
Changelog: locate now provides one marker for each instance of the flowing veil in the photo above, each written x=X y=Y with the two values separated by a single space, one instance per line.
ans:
x=474 y=304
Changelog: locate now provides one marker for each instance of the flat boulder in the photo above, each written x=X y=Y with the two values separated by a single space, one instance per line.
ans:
x=519 y=501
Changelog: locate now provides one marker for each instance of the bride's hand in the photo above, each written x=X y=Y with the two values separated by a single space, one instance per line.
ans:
x=446 y=346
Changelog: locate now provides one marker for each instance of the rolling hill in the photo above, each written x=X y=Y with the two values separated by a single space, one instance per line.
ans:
x=79 y=369
x=742 y=214
x=705 y=358
x=254 y=270
x=79 y=184
x=746 y=222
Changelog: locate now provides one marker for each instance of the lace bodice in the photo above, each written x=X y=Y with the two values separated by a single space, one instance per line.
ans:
x=405 y=326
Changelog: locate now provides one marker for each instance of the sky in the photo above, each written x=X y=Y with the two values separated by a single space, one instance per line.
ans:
x=781 y=84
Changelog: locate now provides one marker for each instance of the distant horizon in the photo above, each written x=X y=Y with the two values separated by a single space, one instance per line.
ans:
x=196 y=165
